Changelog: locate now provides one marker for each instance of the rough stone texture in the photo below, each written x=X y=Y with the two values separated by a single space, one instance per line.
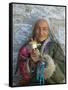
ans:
x=24 y=17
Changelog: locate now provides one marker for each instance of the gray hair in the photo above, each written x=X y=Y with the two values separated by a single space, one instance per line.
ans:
x=48 y=22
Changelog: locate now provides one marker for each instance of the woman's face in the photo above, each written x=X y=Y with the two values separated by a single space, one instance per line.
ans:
x=41 y=31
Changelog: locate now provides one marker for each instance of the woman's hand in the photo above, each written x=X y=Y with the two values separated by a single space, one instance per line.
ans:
x=35 y=55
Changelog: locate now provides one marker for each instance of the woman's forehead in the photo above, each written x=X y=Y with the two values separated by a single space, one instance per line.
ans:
x=42 y=24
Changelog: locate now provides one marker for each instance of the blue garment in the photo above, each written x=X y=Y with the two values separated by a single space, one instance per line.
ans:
x=40 y=72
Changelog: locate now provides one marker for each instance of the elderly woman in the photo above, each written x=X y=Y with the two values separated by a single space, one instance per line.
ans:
x=43 y=63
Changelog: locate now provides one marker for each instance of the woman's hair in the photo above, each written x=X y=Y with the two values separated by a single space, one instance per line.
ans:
x=50 y=33
x=35 y=26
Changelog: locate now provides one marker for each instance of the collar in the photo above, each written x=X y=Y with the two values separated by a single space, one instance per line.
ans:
x=44 y=45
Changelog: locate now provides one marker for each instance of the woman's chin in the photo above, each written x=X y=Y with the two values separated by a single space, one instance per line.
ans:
x=42 y=39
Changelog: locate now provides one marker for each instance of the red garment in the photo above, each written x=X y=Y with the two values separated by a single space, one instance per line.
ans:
x=24 y=53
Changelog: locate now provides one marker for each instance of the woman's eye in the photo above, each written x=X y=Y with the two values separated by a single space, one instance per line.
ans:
x=44 y=29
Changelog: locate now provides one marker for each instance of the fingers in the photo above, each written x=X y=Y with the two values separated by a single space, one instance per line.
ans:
x=35 y=52
x=31 y=39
